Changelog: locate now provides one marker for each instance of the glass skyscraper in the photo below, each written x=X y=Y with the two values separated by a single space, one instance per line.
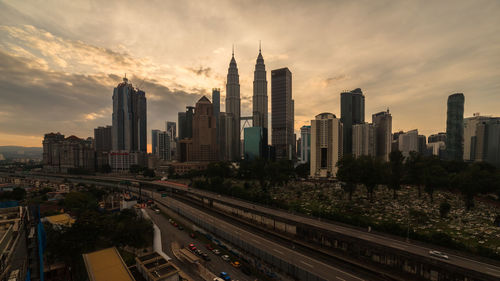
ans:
x=455 y=127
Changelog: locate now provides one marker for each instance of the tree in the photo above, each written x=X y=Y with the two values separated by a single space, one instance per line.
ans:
x=303 y=170
x=434 y=176
x=414 y=170
x=78 y=202
x=347 y=172
x=396 y=171
x=370 y=170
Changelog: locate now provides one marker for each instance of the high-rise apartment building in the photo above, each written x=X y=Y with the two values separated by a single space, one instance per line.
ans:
x=455 y=127
x=66 y=155
x=408 y=142
x=383 y=134
x=282 y=112
x=103 y=143
x=482 y=139
x=437 y=137
x=470 y=135
x=260 y=99
x=233 y=107
x=326 y=145
x=352 y=111
x=129 y=131
x=204 y=132
x=163 y=141
x=305 y=144
x=364 y=140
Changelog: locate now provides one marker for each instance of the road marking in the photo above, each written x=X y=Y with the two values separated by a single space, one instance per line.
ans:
x=342 y=279
x=310 y=265
x=276 y=250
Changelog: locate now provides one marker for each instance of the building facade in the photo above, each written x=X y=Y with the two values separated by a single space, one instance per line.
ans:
x=164 y=141
x=437 y=137
x=364 y=140
x=305 y=144
x=103 y=143
x=233 y=102
x=326 y=145
x=455 y=127
x=383 y=134
x=254 y=146
x=204 y=132
x=68 y=155
x=352 y=111
x=282 y=112
x=154 y=141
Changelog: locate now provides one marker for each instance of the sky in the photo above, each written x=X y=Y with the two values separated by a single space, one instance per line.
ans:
x=60 y=60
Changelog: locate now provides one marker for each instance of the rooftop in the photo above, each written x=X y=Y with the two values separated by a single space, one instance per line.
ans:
x=106 y=265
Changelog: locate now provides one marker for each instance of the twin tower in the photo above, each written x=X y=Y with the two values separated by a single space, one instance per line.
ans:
x=233 y=103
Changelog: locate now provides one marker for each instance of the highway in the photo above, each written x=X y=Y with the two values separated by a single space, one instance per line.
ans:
x=386 y=241
x=318 y=268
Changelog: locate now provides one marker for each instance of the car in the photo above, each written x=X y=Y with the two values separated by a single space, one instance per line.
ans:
x=216 y=252
x=225 y=257
x=218 y=279
x=438 y=254
x=175 y=224
x=209 y=247
x=181 y=228
x=198 y=252
x=192 y=235
x=205 y=256
x=225 y=276
x=157 y=211
x=193 y=249
x=236 y=264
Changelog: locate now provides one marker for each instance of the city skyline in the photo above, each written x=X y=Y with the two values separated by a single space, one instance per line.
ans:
x=59 y=77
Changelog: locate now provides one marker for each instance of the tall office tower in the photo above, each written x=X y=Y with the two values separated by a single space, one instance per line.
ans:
x=326 y=145
x=282 y=134
x=204 y=132
x=383 y=127
x=492 y=141
x=437 y=137
x=154 y=141
x=299 y=147
x=482 y=139
x=129 y=131
x=171 y=128
x=260 y=93
x=163 y=141
x=186 y=123
x=408 y=142
x=216 y=104
x=422 y=144
x=352 y=111
x=233 y=106
x=225 y=134
x=364 y=140
x=103 y=139
x=455 y=127
x=305 y=144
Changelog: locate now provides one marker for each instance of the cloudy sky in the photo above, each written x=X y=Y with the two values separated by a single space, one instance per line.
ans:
x=59 y=60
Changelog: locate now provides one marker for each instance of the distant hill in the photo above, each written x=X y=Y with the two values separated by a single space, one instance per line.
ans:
x=9 y=152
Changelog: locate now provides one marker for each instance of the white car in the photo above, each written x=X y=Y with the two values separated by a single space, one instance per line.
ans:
x=225 y=257
x=438 y=254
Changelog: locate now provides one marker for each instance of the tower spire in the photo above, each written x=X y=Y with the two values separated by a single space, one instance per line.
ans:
x=259 y=47
x=233 y=50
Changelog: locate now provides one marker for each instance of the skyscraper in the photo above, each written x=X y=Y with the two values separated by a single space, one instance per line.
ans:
x=216 y=104
x=254 y=143
x=260 y=93
x=103 y=139
x=455 y=127
x=352 y=111
x=233 y=107
x=186 y=123
x=224 y=132
x=305 y=149
x=383 y=131
x=171 y=128
x=408 y=142
x=326 y=145
x=204 y=132
x=282 y=113
x=129 y=131
x=154 y=141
